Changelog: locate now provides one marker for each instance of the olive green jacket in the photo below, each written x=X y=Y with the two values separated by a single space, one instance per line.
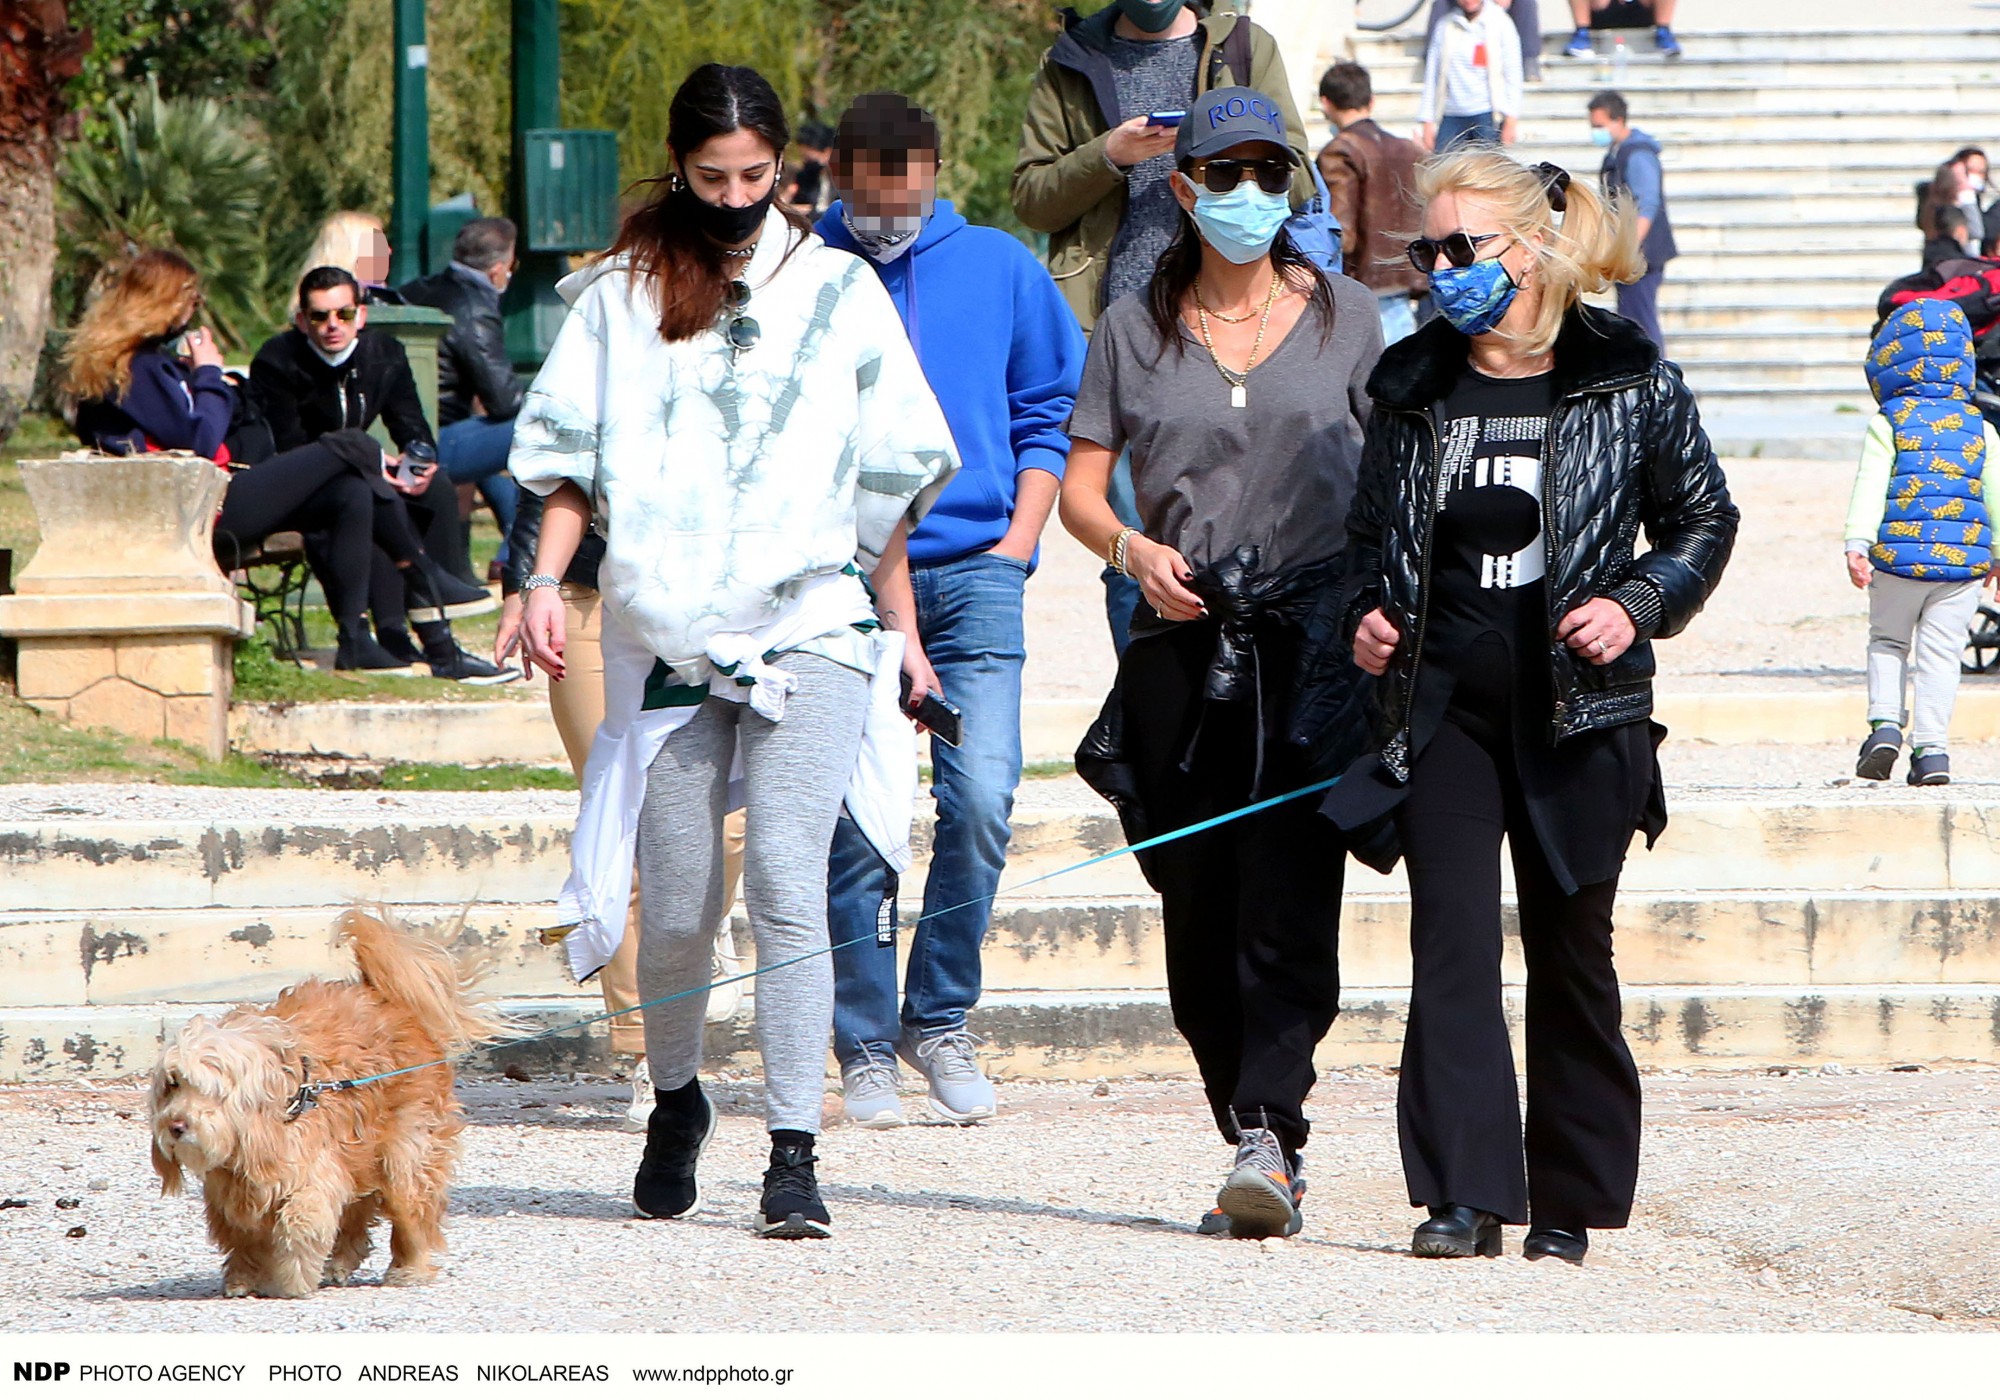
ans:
x=1064 y=186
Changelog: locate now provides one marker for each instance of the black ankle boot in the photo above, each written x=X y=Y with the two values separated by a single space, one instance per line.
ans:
x=430 y=587
x=682 y=1122
x=1457 y=1232
x=791 y=1208
x=1546 y=1242
x=358 y=651
x=398 y=643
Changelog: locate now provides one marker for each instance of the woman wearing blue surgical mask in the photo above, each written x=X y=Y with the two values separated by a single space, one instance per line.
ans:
x=1497 y=586
x=1235 y=381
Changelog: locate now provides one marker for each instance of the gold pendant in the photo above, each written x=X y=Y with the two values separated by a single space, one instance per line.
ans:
x=1239 y=396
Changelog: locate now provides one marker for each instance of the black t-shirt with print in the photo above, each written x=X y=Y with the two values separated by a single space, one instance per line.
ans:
x=1487 y=551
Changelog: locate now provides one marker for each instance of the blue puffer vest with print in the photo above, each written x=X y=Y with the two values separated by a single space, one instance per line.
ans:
x=1920 y=366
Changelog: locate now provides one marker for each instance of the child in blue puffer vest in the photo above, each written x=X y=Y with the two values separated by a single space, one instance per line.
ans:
x=1920 y=532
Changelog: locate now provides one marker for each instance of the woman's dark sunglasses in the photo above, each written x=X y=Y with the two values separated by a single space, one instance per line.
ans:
x=1222 y=176
x=1459 y=249
x=345 y=313
x=742 y=331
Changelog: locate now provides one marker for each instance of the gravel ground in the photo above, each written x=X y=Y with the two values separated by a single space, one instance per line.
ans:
x=1823 y=1201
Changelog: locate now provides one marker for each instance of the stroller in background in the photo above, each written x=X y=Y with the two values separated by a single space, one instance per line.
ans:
x=1974 y=283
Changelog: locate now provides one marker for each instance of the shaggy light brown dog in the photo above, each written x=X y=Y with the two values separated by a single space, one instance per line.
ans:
x=290 y=1200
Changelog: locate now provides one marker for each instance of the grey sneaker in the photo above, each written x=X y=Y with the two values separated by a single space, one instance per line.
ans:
x=1878 y=753
x=959 y=1091
x=1217 y=1221
x=1259 y=1197
x=641 y=1111
x=870 y=1088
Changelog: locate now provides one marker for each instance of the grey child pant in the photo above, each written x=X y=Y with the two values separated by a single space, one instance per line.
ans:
x=794 y=774
x=1920 y=626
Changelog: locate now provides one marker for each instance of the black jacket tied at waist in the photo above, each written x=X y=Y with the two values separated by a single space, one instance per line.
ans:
x=1248 y=607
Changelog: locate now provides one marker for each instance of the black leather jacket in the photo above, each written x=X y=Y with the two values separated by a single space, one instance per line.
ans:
x=305 y=398
x=526 y=537
x=472 y=359
x=1625 y=448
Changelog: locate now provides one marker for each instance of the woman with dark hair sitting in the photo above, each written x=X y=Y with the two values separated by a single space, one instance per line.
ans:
x=138 y=393
x=738 y=407
x=1236 y=383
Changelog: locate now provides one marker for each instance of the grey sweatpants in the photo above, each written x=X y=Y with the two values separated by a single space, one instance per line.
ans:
x=1909 y=621
x=794 y=773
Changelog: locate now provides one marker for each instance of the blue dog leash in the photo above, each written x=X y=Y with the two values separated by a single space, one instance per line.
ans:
x=309 y=1094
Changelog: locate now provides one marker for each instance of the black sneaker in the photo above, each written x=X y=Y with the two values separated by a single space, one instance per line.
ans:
x=399 y=644
x=791 y=1208
x=1878 y=753
x=1930 y=768
x=665 y=1186
x=462 y=666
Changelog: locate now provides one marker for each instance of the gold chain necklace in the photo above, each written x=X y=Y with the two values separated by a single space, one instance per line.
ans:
x=1221 y=316
x=1239 y=393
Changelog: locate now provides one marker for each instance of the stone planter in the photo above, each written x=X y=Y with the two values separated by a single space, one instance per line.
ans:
x=123 y=620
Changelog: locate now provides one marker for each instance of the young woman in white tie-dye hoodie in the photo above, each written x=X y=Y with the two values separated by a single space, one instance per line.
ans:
x=738 y=407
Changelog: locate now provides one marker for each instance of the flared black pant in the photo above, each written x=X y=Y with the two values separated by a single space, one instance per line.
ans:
x=1252 y=908
x=1458 y=1110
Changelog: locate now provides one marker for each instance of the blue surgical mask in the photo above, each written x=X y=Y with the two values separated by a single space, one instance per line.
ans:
x=1240 y=225
x=1474 y=299
x=1600 y=136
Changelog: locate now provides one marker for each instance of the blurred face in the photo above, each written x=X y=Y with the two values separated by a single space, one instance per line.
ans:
x=1975 y=169
x=372 y=267
x=735 y=169
x=1472 y=7
x=502 y=272
x=1601 y=121
x=332 y=319
x=888 y=187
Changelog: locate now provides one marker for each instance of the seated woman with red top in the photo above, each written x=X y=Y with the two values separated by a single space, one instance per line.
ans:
x=148 y=379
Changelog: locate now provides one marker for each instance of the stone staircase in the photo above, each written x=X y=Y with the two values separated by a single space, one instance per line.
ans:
x=1797 y=926
x=1791 y=160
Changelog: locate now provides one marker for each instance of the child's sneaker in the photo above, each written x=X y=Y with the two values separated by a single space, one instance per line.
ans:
x=1579 y=45
x=1878 y=753
x=1930 y=768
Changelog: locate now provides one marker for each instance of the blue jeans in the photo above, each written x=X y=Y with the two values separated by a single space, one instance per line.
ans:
x=1480 y=127
x=474 y=451
x=969 y=615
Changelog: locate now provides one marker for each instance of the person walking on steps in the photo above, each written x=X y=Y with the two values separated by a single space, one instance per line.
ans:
x=1632 y=173
x=1003 y=354
x=1920 y=533
x=1472 y=78
x=1495 y=584
x=1236 y=383
x=1096 y=156
x=739 y=408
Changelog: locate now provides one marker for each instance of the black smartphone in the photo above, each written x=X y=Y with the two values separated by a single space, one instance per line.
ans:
x=936 y=714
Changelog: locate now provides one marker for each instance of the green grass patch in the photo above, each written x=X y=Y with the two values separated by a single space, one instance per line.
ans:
x=37 y=749
x=453 y=777
x=262 y=678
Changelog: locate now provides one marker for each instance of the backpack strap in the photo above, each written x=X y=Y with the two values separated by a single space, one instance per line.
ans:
x=1233 y=53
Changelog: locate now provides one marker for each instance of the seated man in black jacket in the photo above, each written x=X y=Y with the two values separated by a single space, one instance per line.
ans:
x=328 y=373
x=478 y=391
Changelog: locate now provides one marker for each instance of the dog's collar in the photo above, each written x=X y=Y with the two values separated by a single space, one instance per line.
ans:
x=307 y=1098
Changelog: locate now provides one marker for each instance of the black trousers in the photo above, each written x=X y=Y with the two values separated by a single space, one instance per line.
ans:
x=403 y=525
x=1252 y=908
x=312 y=490
x=1458 y=1110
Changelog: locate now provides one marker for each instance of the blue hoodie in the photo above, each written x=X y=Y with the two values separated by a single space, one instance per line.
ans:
x=1003 y=355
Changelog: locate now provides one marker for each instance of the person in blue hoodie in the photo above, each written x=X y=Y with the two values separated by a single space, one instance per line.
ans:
x=1004 y=355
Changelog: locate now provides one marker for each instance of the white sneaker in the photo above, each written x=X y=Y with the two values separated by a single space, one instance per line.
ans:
x=960 y=1092
x=724 y=1001
x=642 y=1097
x=870 y=1089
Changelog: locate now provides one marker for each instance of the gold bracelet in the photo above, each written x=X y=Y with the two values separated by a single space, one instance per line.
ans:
x=1116 y=557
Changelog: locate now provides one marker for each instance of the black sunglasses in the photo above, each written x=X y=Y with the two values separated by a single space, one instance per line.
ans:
x=742 y=331
x=1459 y=249
x=1222 y=175
x=345 y=313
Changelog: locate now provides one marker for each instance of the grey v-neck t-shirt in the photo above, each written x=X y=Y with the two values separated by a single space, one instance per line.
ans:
x=1278 y=473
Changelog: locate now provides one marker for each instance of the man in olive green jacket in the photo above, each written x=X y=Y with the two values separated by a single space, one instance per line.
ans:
x=1077 y=146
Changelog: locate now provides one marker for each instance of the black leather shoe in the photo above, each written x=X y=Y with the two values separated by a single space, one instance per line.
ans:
x=1457 y=1232
x=1567 y=1245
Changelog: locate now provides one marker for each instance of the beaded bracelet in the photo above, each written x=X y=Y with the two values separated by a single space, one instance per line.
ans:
x=1116 y=557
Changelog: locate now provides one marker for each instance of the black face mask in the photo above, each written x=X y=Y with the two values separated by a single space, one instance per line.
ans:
x=721 y=222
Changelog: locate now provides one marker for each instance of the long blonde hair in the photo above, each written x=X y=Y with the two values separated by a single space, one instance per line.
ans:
x=1591 y=248
x=343 y=241
x=154 y=293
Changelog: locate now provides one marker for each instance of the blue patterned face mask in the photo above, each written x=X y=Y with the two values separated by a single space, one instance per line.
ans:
x=1474 y=299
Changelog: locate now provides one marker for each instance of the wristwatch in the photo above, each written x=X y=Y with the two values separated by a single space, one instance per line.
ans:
x=534 y=581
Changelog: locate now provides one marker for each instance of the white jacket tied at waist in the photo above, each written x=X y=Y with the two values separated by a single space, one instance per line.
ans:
x=881 y=792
